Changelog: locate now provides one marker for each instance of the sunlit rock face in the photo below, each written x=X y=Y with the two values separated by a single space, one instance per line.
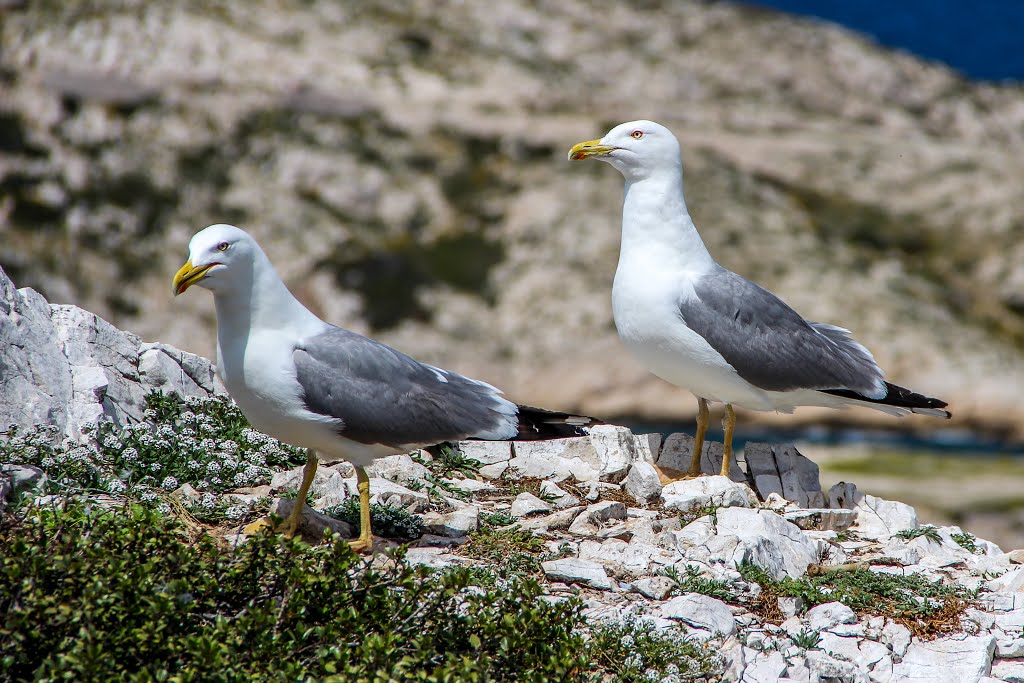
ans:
x=405 y=169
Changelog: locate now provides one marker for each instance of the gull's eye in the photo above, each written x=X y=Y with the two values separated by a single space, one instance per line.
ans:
x=223 y=246
x=636 y=134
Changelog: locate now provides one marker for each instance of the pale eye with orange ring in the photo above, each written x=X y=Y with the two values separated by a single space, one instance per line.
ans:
x=223 y=246
x=636 y=134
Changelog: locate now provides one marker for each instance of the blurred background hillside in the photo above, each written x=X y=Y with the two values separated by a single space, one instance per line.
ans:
x=403 y=163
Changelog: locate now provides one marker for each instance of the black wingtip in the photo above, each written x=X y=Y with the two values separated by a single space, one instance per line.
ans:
x=536 y=424
x=900 y=397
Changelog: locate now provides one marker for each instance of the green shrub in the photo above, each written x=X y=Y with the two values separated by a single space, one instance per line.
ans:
x=389 y=521
x=124 y=596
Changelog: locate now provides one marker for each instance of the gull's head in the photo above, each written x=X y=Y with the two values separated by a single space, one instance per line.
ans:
x=636 y=148
x=217 y=255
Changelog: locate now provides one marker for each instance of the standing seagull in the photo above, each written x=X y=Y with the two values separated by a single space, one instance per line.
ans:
x=702 y=327
x=332 y=391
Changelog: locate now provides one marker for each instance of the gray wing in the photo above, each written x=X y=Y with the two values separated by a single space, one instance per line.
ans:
x=383 y=396
x=770 y=345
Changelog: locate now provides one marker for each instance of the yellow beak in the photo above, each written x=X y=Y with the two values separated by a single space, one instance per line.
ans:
x=188 y=275
x=590 y=148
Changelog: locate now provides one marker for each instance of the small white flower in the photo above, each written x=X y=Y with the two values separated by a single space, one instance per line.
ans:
x=235 y=511
x=148 y=496
x=129 y=454
x=626 y=641
x=155 y=467
x=112 y=442
x=672 y=669
x=169 y=483
x=88 y=428
x=229 y=446
x=149 y=414
x=165 y=431
x=194 y=465
x=163 y=508
x=213 y=466
x=209 y=501
x=208 y=444
x=188 y=417
x=205 y=484
x=48 y=462
x=216 y=481
x=633 y=662
x=115 y=486
x=240 y=479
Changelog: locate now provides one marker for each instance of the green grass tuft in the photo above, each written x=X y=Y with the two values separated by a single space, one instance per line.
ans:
x=927 y=531
x=389 y=521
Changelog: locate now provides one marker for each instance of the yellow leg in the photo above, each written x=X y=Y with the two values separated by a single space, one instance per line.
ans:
x=294 y=521
x=698 y=441
x=365 y=540
x=728 y=423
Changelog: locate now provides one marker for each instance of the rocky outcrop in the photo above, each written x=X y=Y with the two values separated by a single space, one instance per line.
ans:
x=404 y=166
x=614 y=536
x=66 y=367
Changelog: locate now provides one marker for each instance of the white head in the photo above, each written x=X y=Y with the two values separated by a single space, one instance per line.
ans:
x=219 y=257
x=637 y=149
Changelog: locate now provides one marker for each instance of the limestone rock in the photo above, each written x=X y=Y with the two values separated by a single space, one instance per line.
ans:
x=654 y=587
x=596 y=517
x=575 y=570
x=734 y=535
x=954 y=659
x=560 y=497
x=880 y=519
x=642 y=482
x=454 y=524
x=487 y=452
x=822 y=519
x=527 y=504
x=716 y=490
x=400 y=468
x=829 y=614
x=700 y=611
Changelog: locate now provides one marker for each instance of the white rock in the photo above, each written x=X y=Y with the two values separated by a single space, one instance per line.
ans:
x=596 y=517
x=955 y=659
x=472 y=485
x=436 y=558
x=556 y=459
x=487 y=452
x=627 y=559
x=843 y=495
x=556 y=521
x=1008 y=670
x=701 y=611
x=822 y=617
x=401 y=468
x=389 y=493
x=654 y=587
x=559 y=496
x=453 y=524
x=826 y=668
x=1010 y=647
x=840 y=647
x=1008 y=582
x=822 y=519
x=763 y=667
x=735 y=535
x=616 y=450
x=575 y=570
x=790 y=607
x=494 y=471
x=880 y=519
x=643 y=483
x=527 y=504
x=648 y=447
x=685 y=495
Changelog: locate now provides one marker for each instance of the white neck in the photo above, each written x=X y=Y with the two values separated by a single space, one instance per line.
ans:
x=655 y=218
x=260 y=301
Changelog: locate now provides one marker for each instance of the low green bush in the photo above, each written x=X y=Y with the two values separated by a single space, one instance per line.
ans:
x=125 y=595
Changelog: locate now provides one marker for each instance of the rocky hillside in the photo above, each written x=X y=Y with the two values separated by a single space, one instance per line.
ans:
x=404 y=165
x=759 y=576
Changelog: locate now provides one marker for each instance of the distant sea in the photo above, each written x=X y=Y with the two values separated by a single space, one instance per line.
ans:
x=982 y=39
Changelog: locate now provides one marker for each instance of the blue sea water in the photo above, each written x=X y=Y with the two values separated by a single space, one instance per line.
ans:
x=982 y=39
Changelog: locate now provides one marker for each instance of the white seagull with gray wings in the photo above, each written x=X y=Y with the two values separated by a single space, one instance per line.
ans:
x=332 y=391
x=702 y=327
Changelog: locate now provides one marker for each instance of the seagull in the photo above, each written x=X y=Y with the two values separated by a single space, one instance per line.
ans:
x=332 y=391
x=702 y=327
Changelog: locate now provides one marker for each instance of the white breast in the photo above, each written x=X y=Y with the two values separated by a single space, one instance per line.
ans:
x=645 y=305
